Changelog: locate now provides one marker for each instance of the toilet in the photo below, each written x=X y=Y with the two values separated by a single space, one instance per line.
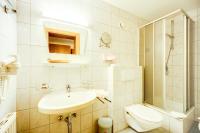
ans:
x=142 y=118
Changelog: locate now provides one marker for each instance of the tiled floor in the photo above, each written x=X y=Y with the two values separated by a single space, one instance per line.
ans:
x=159 y=130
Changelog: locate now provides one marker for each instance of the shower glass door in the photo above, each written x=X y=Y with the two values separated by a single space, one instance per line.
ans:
x=153 y=61
x=148 y=59
x=158 y=73
x=164 y=55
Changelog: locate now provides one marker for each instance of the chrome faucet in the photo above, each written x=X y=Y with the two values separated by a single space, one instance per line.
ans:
x=68 y=89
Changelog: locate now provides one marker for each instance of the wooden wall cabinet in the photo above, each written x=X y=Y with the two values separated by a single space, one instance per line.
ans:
x=63 y=42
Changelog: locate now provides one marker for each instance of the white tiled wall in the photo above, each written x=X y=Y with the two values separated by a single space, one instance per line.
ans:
x=126 y=91
x=8 y=47
x=33 y=52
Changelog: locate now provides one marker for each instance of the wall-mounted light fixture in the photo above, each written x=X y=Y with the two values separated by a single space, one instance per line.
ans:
x=70 y=17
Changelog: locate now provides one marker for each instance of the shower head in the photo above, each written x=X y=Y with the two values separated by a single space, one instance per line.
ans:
x=171 y=35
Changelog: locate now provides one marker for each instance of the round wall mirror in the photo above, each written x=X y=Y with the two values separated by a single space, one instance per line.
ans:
x=106 y=39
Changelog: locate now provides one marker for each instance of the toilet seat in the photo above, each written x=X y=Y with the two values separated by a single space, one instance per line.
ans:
x=142 y=118
x=144 y=113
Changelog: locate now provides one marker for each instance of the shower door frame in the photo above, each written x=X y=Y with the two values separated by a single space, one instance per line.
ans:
x=187 y=41
x=186 y=93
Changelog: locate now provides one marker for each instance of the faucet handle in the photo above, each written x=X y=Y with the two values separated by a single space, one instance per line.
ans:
x=68 y=86
x=44 y=86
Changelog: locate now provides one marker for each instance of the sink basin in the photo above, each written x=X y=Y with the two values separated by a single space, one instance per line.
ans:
x=58 y=102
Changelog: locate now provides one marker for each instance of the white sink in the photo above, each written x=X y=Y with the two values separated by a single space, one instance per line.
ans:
x=58 y=102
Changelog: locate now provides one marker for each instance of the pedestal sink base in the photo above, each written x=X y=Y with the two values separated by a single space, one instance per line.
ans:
x=68 y=120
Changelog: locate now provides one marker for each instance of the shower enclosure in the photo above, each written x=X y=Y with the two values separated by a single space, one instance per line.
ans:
x=165 y=55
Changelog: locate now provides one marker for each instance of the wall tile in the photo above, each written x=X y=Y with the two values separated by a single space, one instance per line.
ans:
x=58 y=127
x=25 y=131
x=23 y=120
x=87 y=131
x=59 y=78
x=35 y=96
x=23 y=12
x=43 y=129
x=99 y=105
x=27 y=1
x=23 y=96
x=38 y=35
x=86 y=121
x=39 y=75
x=39 y=55
x=23 y=34
x=36 y=12
x=102 y=16
x=24 y=55
x=37 y=119
x=86 y=110
x=23 y=77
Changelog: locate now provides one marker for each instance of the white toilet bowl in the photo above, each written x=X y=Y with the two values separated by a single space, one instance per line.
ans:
x=142 y=118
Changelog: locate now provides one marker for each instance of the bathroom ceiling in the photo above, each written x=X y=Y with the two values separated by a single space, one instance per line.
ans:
x=152 y=9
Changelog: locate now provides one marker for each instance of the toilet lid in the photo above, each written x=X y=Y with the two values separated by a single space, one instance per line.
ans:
x=144 y=112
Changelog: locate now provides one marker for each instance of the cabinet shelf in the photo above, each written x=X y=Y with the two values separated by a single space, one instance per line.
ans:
x=65 y=63
x=59 y=43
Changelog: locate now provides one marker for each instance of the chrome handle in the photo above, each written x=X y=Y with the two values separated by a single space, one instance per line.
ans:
x=100 y=100
x=107 y=99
